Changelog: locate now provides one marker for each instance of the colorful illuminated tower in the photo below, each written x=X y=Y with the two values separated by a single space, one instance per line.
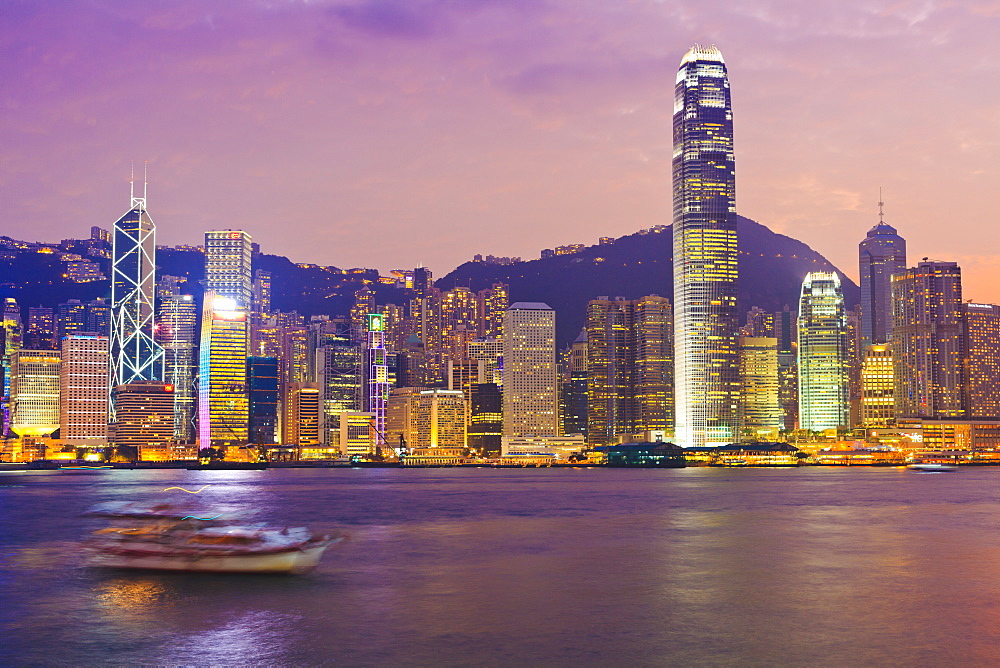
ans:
x=822 y=350
x=134 y=355
x=378 y=374
x=705 y=251
x=223 y=404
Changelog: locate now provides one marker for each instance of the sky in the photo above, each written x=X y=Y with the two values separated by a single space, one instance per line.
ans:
x=395 y=133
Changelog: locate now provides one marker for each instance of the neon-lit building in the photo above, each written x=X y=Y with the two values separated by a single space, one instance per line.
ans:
x=705 y=252
x=84 y=388
x=34 y=392
x=134 y=354
x=822 y=350
x=228 y=258
x=223 y=404
x=378 y=374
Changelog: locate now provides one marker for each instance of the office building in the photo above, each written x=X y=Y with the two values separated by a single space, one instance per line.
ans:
x=84 y=388
x=880 y=255
x=530 y=404
x=145 y=419
x=705 y=251
x=34 y=392
x=303 y=407
x=486 y=419
x=928 y=341
x=760 y=409
x=176 y=333
x=982 y=360
x=629 y=368
x=223 y=410
x=439 y=419
x=822 y=354
x=573 y=392
x=228 y=258
x=41 y=331
x=877 y=387
x=134 y=355
x=262 y=385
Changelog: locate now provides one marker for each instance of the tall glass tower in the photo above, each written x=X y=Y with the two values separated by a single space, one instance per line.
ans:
x=134 y=355
x=880 y=255
x=822 y=349
x=705 y=252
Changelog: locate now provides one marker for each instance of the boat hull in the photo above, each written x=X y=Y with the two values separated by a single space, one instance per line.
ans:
x=295 y=562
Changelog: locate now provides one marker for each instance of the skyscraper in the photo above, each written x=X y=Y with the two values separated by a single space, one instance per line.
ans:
x=982 y=360
x=822 y=349
x=760 y=408
x=34 y=392
x=928 y=341
x=228 y=257
x=223 y=405
x=176 y=333
x=877 y=405
x=134 y=355
x=705 y=251
x=84 y=388
x=530 y=404
x=880 y=255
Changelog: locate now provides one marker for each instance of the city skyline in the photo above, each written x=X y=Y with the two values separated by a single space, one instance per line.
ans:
x=427 y=133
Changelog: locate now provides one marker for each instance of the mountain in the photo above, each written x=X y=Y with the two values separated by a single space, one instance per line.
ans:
x=771 y=268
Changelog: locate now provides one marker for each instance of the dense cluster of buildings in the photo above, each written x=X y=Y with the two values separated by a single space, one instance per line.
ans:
x=166 y=370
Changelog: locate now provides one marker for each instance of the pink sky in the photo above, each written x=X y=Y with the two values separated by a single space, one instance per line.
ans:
x=388 y=133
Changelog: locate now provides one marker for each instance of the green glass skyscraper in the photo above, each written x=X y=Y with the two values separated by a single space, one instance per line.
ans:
x=705 y=252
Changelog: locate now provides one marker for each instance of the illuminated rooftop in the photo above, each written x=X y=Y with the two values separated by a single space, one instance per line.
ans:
x=702 y=52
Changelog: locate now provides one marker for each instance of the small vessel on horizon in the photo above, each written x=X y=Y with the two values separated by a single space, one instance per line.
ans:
x=929 y=467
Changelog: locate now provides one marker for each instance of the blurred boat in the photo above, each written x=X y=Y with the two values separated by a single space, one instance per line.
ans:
x=931 y=466
x=158 y=538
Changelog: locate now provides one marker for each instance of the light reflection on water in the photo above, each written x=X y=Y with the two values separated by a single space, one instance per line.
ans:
x=449 y=567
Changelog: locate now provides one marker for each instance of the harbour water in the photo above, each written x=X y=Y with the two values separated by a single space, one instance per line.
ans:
x=756 y=567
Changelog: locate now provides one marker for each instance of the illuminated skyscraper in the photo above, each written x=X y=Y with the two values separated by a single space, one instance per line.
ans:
x=228 y=257
x=760 y=409
x=223 y=404
x=262 y=391
x=880 y=255
x=145 y=419
x=928 y=342
x=877 y=404
x=530 y=404
x=84 y=388
x=176 y=333
x=982 y=360
x=34 y=392
x=705 y=251
x=134 y=355
x=822 y=349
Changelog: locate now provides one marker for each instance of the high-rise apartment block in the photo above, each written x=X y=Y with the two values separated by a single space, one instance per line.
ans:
x=530 y=404
x=822 y=354
x=705 y=251
x=928 y=341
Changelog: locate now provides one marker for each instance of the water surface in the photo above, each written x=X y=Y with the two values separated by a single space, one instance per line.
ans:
x=757 y=567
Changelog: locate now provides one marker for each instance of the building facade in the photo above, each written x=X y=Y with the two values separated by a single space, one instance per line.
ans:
x=705 y=251
x=223 y=405
x=84 y=388
x=228 y=266
x=880 y=255
x=822 y=354
x=530 y=402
